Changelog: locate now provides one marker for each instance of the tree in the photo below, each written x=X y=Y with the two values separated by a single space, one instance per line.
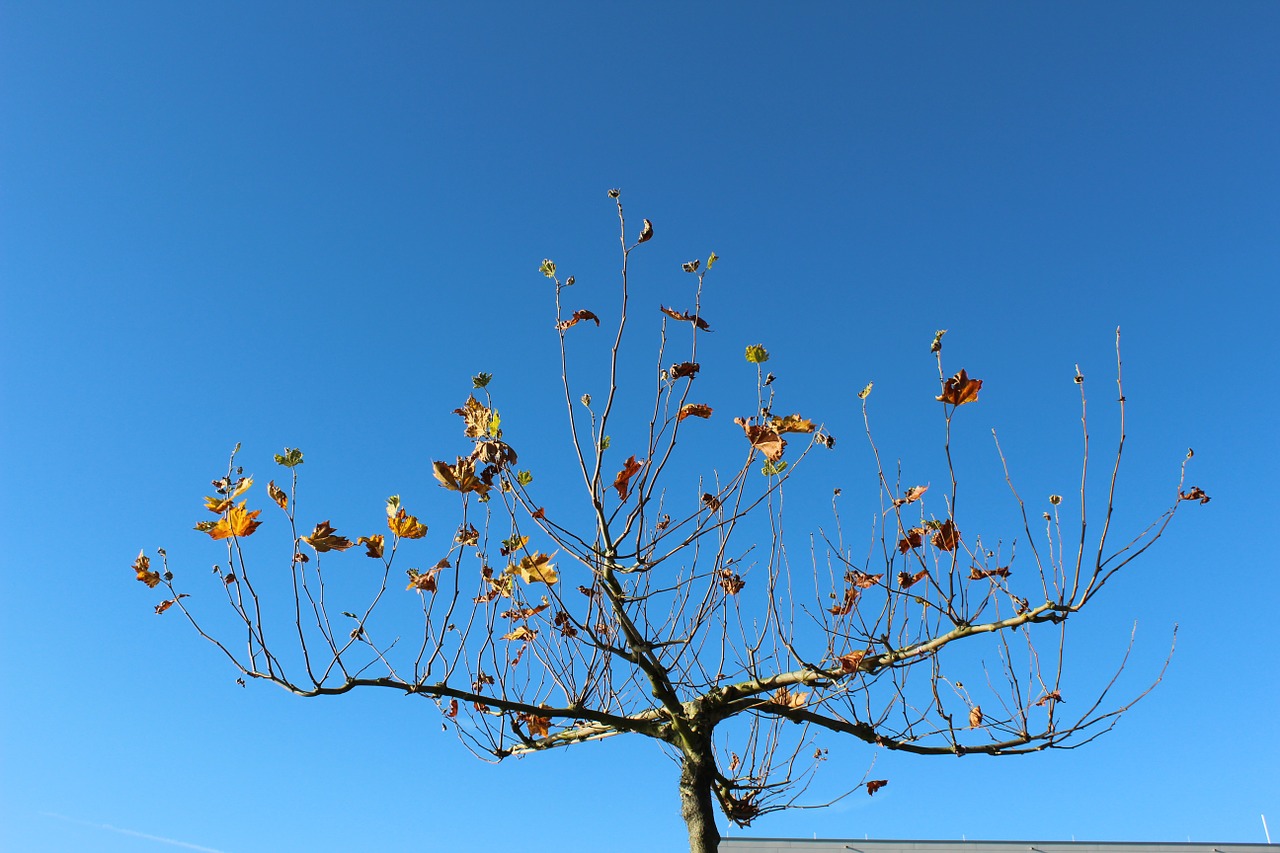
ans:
x=642 y=610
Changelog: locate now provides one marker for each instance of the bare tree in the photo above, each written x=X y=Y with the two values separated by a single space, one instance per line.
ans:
x=641 y=610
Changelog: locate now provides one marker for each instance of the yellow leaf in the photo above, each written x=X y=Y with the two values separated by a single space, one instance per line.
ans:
x=521 y=632
x=535 y=568
x=237 y=522
x=373 y=545
x=218 y=505
x=242 y=487
x=792 y=423
x=406 y=526
x=142 y=567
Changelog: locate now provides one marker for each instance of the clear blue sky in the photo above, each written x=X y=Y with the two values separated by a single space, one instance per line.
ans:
x=308 y=224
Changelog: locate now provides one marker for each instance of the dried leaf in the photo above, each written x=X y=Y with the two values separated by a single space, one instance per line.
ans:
x=520 y=632
x=866 y=391
x=875 y=785
x=538 y=726
x=692 y=318
x=646 y=233
x=696 y=410
x=947 y=537
x=452 y=713
x=237 y=522
x=685 y=369
x=524 y=612
x=710 y=501
x=242 y=487
x=535 y=568
x=476 y=416
x=622 y=482
x=975 y=716
x=792 y=423
x=1196 y=494
x=218 y=505
x=960 y=389
x=565 y=623
x=862 y=580
x=784 y=697
x=730 y=581
x=459 y=477
x=691 y=266
x=906 y=580
x=165 y=605
x=576 y=318
x=373 y=545
x=913 y=539
x=763 y=438
x=977 y=574
x=913 y=494
x=277 y=494
x=1051 y=696
x=325 y=538
x=423 y=581
x=142 y=568
x=852 y=661
x=848 y=603
x=406 y=526
x=936 y=346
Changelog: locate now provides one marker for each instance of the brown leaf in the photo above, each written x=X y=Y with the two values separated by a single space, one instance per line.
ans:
x=913 y=539
x=947 y=537
x=875 y=785
x=685 y=369
x=524 y=612
x=423 y=581
x=763 y=438
x=846 y=605
x=622 y=482
x=906 y=580
x=576 y=318
x=853 y=660
x=862 y=580
x=373 y=545
x=539 y=513
x=165 y=605
x=913 y=494
x=325 y=538
x=565 y=623
x=476 y=417
x=977 y=574
x=142 y=568
x=711 y=502
x=730 y=581
x=538 y=726
x=697 y=410
x=646 y=233
x=452 y=713
x=459 y=477
x=975 y=716
x=960 y=389
x=1051 y=696
x=277 y=494
x=1196 y=494
x=784 y=697
x=691 y=318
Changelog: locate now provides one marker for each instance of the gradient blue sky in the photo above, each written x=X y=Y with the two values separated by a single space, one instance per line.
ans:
x=308 y=224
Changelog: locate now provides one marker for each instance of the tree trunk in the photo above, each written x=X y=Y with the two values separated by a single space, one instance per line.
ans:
x=697 y=806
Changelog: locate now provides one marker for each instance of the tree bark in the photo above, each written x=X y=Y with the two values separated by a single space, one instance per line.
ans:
x=697 y=806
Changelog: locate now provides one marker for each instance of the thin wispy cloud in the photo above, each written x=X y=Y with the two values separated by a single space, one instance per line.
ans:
x=173 y=842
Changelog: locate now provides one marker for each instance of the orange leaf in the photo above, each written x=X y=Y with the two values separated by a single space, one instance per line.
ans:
x=862 y=580
x=622 y=482
x=975 y=716
x=846 y=605
x=947 y=537
x=697 y=410
x=853 y=660
x=578 y=317
x=237 y=522
x=685 y=369
x=142 y=567
x=906 y=580
x=792 y=423
x=325 y=538
x=218 y=505
x=784 y=697
x=692 y=318
x=960 y=389
x=875 y=785
x=538 y=726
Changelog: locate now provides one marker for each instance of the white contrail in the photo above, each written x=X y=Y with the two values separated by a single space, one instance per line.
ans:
x=173 y=841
